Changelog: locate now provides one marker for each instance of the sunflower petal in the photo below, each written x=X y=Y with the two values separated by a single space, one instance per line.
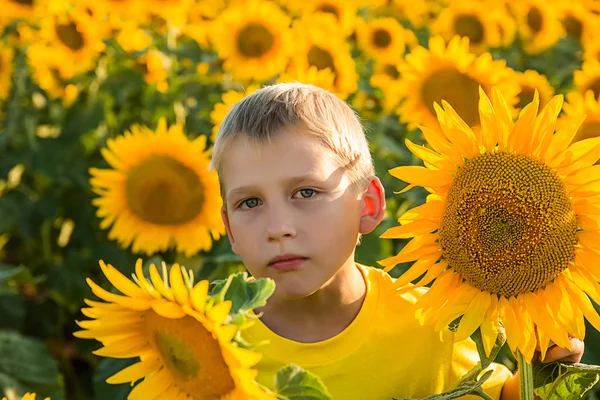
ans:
x=421 y=176
x=179 y=288
x=473 y=316
x=411 y=229
x=135 y=372
x=120 y=282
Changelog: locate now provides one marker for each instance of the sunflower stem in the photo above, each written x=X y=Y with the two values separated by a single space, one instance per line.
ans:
x=526 y=378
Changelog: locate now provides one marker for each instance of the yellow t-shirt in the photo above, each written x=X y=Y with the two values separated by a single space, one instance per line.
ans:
x=383 y=353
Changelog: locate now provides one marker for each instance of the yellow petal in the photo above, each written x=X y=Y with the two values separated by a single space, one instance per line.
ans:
x=439 y=143
x=432 y=273
x=504 y=121
x=159 y=285
x=168 y=309
x=562 y=139
x=135 y=372
x=431 y=210
x=510 y=322
x=473 y=316
x=219 y=313
x=137 y=304
x=178 y=287
x=489 y=326
x=545 y=126
x=123 y=349
x=430 y=157
x=120 y=282
x=153 y=387
x=417 y=269
x=581 y=154
x=582 y=301
x=199 y=294
x=520 y=138
x=421 y=176
x=412 y=229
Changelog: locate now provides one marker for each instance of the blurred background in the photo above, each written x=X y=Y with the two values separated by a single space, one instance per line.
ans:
x=85 y=83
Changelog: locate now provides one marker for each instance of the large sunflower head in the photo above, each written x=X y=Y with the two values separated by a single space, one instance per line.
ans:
x=254 y=39
x=480 y=23
x=185 y=348
x=538 y=24
x=6 y=71
x=510 y=232
x=452 y=73
x=220 y=110
x=381 y=38
x=588 y=78
x=158 y=192
x=529 y=82
x=578 y=107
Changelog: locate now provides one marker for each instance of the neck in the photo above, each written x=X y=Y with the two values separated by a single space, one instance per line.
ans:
x=321 y=315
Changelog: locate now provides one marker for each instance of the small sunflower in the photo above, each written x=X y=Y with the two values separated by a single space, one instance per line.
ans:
x=578 y=107
x=6 y=71
x=510 y=231
x=185 y=349
x=530 y=81
x=588 y=78
x=201 y=17
x=158 y=192
x=73 y=41
x=449 y=72
x=254 y=39
x=155 y=66
x=420 y=13
x=475 y=20
x=172 y=12
x=381 y=38
x=343 y=12
x=579 y=22
x=220 y=110
x=320 y=45
x=28 y=396
x=386 y=78
x=25 y=10
x=48 y=76
x=538 y=24
x=323 y=78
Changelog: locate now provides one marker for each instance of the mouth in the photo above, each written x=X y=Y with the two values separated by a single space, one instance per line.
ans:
x=287 y=262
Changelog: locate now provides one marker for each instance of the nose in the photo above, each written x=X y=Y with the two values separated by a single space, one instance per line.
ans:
x=280 y=224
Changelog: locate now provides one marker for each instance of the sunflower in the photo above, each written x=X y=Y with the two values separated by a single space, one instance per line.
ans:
x=538 y=24
x=28 y=396
x=220 y=110
x=319 y=44
x=185 y=349
x=419 y=13
x=172 y=12
x=48 y=77
x=343 y=12
x=449 y=72
x=322 y=78
x=133 y=38
x=159 y=192
x=155 y=66
x=578 y=21
x=576 y=108
x=386 y=78
x=6 y=71
x=510 y=231
x=479 y=22
x=381 y=38
x=73 y=40
x=530 y=81
x=253 y=38
x=588 y=78
x=26 y=10
x=200 y=20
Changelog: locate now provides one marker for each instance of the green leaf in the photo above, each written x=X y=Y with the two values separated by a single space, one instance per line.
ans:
x=245 y=295
x=27 y=360
x=8 y=271
x=557 y=381
x=294 y=383
x=472 y=387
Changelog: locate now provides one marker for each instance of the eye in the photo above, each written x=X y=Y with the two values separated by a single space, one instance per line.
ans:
x=306 y=193
x=250 y=203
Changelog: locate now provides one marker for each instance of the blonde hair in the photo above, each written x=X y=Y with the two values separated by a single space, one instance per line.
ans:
x=266 y=112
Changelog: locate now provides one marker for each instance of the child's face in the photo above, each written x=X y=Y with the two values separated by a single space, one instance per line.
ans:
x=290 y=198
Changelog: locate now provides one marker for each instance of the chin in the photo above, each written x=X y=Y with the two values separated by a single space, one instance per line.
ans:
x=291 y=290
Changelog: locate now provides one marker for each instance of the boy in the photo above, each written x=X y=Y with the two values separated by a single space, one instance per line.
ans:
x=299 y=189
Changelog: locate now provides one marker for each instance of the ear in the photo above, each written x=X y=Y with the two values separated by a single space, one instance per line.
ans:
x=373 y=206
x=225 y=219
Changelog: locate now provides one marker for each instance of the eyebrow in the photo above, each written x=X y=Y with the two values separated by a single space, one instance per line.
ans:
x=290 y=181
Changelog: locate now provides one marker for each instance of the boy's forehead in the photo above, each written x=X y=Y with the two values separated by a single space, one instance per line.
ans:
x=284 y=157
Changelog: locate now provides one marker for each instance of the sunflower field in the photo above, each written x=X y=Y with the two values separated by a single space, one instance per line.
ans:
x=108 y=113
